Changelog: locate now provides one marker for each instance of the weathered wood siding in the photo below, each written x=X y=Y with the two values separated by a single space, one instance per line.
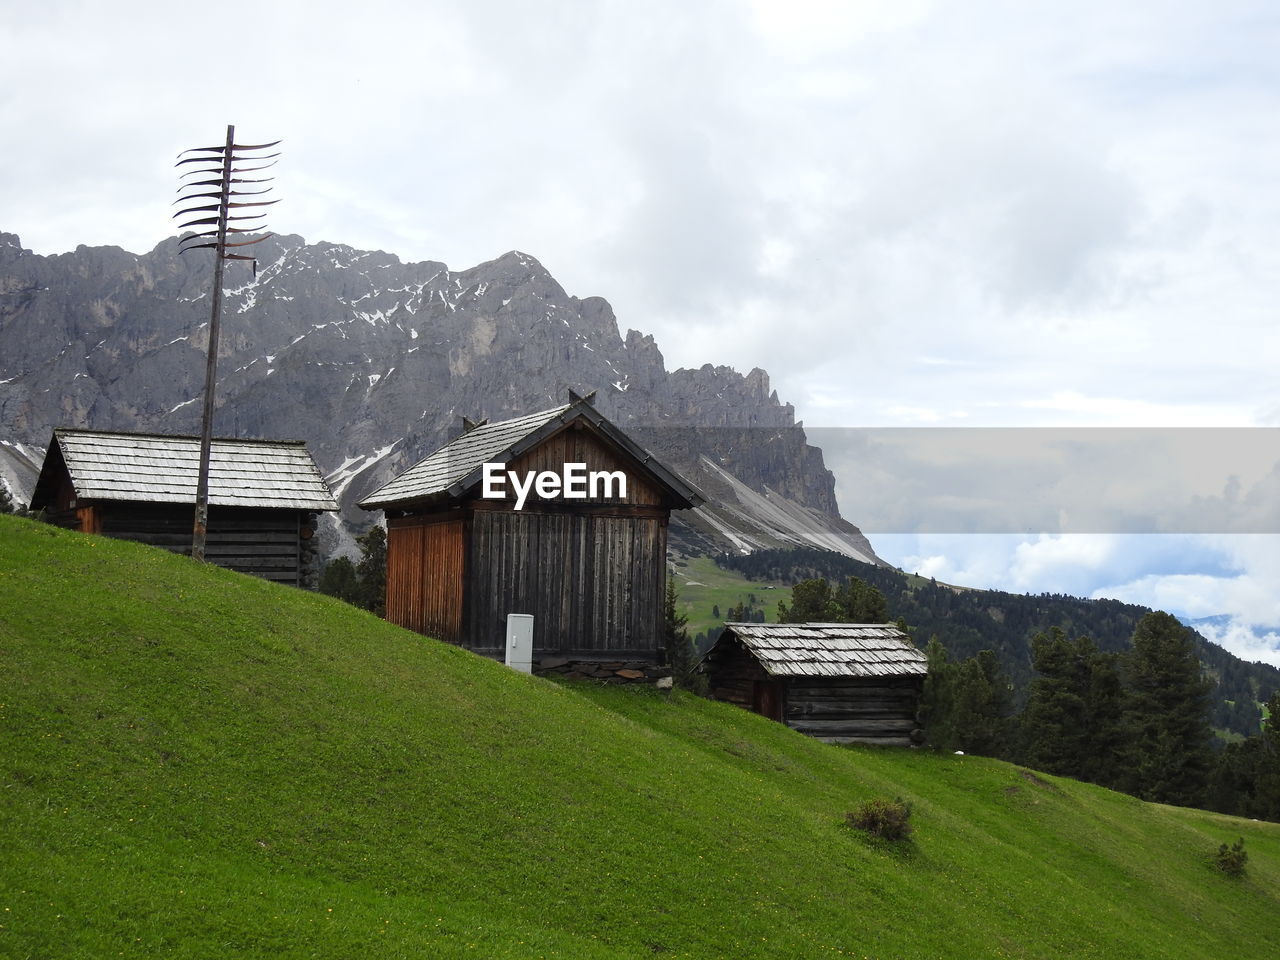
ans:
x=591 y=571
x=735 y=675
x=261 y=542
x=425 y=562
x=59 y=509
x=592 y=580
x=879 y=710
x=578 y=444
x=89 y=519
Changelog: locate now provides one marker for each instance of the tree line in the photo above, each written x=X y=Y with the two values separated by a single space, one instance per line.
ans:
x=1136 y=721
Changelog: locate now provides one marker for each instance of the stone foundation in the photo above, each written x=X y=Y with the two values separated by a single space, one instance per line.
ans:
x=610 y=671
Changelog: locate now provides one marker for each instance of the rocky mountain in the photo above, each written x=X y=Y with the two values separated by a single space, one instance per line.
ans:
x=374 y=362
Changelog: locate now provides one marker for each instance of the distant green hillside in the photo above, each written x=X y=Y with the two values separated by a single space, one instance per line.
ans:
x=196 y=764
x=702 y=588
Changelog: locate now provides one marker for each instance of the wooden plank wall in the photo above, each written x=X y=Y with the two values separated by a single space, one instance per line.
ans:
x=593 y=582
x=425 y=562
x=878 y=710
x=835 y=709
x=261 y=542
x=578 y=444
x=89 y=519
x=59 y=494
x=733 y=672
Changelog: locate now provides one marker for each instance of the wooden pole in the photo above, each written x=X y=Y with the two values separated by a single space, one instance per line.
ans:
x=200 y=530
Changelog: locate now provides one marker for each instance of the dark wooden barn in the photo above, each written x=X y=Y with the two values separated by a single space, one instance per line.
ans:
x=839 y=682
x=590 y=569
x=264 y=495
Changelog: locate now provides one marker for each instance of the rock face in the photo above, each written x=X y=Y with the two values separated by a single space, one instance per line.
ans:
x=373 y=362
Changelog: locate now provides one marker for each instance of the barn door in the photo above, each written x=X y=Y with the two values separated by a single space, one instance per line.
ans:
x=766 y=698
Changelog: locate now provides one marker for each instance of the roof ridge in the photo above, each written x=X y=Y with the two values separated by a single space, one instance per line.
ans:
x=826 y=625
x=131 y=434
x=867 y=650
x=541 y=415
x=164 y=468
x=456 y=467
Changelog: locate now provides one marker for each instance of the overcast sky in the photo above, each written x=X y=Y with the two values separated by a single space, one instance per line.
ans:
x=979 y=214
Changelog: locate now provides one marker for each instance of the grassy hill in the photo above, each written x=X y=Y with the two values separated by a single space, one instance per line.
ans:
x=197 y=764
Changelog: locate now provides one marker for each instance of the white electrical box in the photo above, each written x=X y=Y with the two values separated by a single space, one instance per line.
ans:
x=520 y=642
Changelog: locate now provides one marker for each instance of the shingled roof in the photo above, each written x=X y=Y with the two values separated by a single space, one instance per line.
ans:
x=458 y=466
x=159 y=468
x=829 y=649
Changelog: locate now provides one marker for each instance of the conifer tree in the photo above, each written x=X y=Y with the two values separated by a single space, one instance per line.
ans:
x=1246 y=779
x=861 y=602
x=966 y=705
x=371 y=571
x=1104 y=763
x=812 y=601
x=1166 y=714
x=339 y=580
x=982 y=702
x=1071 y=724
x=680 y=654
x=1266 y=786
x=1053 y=721
x=937 y=702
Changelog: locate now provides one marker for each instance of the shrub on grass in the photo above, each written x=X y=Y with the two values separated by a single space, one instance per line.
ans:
x=887 y=819
x=1231 y=860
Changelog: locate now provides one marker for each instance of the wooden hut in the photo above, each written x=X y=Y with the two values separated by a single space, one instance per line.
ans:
x=264 y=495
x=587 y=561
x=839 y=682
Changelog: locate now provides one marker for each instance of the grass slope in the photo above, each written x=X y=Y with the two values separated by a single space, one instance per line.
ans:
x=198 y=764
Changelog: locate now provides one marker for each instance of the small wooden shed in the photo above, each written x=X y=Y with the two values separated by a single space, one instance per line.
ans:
x=264 y=495
x=590 y=569
x=839 y=682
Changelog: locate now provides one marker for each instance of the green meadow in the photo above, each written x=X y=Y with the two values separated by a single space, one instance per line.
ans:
x=197 y=764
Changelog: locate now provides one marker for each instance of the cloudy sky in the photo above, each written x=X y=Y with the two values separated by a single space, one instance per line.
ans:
x=978 y=215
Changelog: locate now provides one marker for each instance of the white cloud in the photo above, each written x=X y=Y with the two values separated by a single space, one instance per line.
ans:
x=1071 y=406
x=1056 y=480
x=1069 y=561
x=1059 y=203
x=1246 y=642
x=1243 y=587
x=1189 y=595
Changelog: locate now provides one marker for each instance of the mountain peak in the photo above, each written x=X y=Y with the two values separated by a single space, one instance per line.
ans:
x=517 y=261
x=363 y=355
x=11 y=247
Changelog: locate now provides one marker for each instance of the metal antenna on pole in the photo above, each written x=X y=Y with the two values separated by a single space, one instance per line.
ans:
x=228 y=159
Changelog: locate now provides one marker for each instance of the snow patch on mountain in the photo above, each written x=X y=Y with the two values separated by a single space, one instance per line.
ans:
x=19 y=469
x=352 y=467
